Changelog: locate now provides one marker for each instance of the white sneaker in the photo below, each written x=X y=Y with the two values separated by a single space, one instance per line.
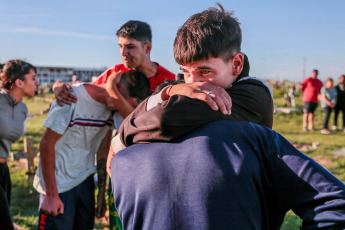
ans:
x=325 y=131
x=334 y=128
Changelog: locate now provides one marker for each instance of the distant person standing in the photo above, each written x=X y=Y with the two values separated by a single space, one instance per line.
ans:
x=340 y=105
x=328 y=101
x=310 y=88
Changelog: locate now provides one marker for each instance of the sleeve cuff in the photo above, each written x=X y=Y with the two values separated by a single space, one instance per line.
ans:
x=155 y=99
x=116 y=144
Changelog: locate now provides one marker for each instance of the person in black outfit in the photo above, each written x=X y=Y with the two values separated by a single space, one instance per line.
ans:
x=340 y=105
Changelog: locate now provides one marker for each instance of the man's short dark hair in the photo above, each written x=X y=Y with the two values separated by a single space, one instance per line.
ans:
x=137 y=85
x=315 y=70
x=138 y=30
x=211 y=33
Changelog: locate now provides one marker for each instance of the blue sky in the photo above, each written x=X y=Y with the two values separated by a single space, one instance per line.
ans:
x=277 y=35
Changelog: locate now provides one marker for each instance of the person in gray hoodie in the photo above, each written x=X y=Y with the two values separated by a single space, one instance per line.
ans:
x=18 y=79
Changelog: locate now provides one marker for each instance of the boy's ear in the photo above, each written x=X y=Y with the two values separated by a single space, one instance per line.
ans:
x=148 y=47
x=19 y=83
x=237 y=63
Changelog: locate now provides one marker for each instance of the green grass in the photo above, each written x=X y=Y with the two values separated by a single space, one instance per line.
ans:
x=24 y=200
x=24 y=206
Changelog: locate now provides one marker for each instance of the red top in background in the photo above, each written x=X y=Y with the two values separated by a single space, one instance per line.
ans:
x=310 y=88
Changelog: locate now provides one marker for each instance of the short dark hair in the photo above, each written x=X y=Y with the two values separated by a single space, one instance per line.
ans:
x=137 y=85
x=13 y=70
x=315 y=70
x=211 y=33
x=138 y=30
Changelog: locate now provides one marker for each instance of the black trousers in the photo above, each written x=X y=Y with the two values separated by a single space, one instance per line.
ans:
x=328 y=111
x=5 y=196
x=337 y=109
x=79 y=209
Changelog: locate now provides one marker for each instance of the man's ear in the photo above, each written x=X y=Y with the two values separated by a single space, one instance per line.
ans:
x=237 y=63
x=148 y=47
x=19 y=83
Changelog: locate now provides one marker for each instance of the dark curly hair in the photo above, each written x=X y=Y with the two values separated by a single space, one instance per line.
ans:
x=137 y=85
x=13 y=70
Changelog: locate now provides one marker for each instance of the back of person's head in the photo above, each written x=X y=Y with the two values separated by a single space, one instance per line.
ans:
x=211 y=33
x=136 y=85
x=138 y=30
x=13 y=70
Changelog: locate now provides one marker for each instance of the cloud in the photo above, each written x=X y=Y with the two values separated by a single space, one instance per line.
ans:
x=43 y=31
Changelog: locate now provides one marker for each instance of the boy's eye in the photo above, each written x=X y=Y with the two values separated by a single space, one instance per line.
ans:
x=203 y=72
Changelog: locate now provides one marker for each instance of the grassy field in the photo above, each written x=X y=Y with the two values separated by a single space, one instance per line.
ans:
x=24 y=206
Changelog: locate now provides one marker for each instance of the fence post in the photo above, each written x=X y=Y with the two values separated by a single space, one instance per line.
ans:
x=29 y=150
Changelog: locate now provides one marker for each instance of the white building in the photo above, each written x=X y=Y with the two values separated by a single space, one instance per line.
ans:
x=51 y=74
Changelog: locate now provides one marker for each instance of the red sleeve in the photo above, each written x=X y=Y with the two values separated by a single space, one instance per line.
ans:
x=161 y=75
x=102 y=79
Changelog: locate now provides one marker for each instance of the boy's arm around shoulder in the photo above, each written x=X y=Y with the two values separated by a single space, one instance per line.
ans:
x=252 y=101
x=180 y=114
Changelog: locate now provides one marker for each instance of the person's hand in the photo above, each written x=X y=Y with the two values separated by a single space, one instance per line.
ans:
x=113 y=80
x=215 y=96
x=101 y=203
x=52 y=205
x=63 y=95
x=111 y=154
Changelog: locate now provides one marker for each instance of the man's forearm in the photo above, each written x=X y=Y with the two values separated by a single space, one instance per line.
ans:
x=102 y=174
x=102 y=155
x=47 y=157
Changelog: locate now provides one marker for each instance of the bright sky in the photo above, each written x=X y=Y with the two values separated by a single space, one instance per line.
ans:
x=279 y=37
